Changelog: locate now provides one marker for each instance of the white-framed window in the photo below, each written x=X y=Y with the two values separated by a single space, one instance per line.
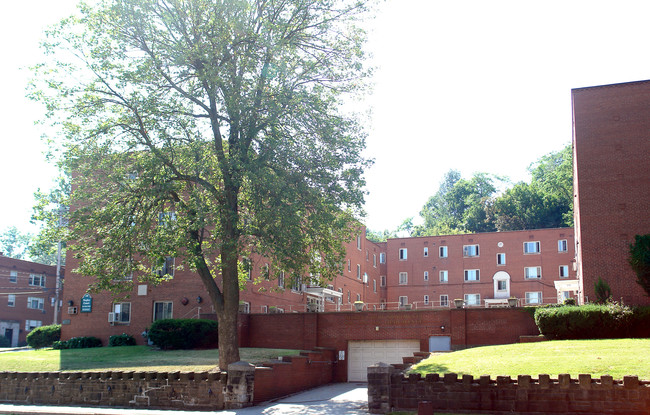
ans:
x=11 y=300
x=281 y=279
x=501 y=259
x=36 y=280
x=165 y=267
x=349 y=296
x=531 y=247
x=382 y=280
x=329 y=297
x=374 y=286
x=444 y=300
x=244 y=307
x=426 y=251
x=358 y=271
x=122 y=313
x=444 y=276
x=266 y=272
x=403 y=278
x=359 y=242
x=534 y=297
x=426 y=275
x=248 y=268
x=562 y=245
x=382 y=257
x=443 y=252
x=296 y=284
x=532 y=272
x=472 y=275
x=341 y=297
x=13 y=276
x=403 y=300
x=374 y=260
x=265 y=309
x=162 y=310
x=564 y=271
x=35 y=303
x=473 y=299
x=426 y=300
x=349 y=265
x=403 y=254
x=470 y=250
x=166 y=218
x=502 y=285
x=32 y=324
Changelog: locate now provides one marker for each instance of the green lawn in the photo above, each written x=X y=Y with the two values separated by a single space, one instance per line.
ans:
x=137 y=358
x=617 y=358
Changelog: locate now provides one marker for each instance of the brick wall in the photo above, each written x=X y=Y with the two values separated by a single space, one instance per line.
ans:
x=389 y=389
x=611 y=140
x=173 y=390
x=243 y=385
x=466 y=327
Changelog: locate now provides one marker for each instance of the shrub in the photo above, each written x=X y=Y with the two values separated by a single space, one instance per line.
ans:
x=639 y=260
x=78 y=343
x=121 y=340
x=591 y=321
x=44 y=336
x=184 y=334
x=603 y=292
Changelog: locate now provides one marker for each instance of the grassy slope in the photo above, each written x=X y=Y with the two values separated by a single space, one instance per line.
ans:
x=617 y=358
x=138 y=358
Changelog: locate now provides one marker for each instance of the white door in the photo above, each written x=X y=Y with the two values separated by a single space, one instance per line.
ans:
x=362 y=354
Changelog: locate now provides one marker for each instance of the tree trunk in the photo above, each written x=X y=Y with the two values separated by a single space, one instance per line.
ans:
x=228 y=316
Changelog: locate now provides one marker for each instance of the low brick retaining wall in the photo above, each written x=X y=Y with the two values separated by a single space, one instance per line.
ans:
x=390 y=389
x=241 y=386
x=163 y=390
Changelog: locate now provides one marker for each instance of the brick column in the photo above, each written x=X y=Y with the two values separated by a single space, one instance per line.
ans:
x=379 y=388
x=238 y=391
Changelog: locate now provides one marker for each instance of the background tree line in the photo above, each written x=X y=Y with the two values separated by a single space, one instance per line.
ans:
x=475 y=205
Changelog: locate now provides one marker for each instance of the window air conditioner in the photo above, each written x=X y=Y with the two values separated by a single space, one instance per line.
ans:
x=365 y=278
x=72 y=310
x=111 y=317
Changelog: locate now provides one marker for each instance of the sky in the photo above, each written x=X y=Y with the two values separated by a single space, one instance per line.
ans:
x=472 y=85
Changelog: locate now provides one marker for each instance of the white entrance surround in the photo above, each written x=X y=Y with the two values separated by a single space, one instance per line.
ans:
x=567 y=289
x=504 y=278
x=317 y=296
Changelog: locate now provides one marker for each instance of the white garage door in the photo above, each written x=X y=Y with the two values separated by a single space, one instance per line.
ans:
x=362 y=354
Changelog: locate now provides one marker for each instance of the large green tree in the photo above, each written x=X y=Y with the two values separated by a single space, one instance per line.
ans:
x=209 y=130
x=458 y=206
x=14 y=244
x=545 y=202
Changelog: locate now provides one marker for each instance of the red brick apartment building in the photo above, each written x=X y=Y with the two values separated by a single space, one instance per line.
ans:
x=27 y=297
x=611 y=153
x=102 y=315
x=485 y=269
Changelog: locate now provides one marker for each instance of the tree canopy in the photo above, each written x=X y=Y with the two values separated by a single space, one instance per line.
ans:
x=210 y=130
x=474 y=205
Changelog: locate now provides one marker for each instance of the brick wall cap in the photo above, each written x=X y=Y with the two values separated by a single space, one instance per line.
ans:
x=241 y=366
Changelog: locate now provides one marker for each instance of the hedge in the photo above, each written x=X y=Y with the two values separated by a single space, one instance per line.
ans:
x=121 y=340
x=44 y=336
x=84 y=342
x=593 y=321
x=184 y=334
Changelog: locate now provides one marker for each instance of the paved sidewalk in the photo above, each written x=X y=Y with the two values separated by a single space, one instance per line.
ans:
x=334 y=399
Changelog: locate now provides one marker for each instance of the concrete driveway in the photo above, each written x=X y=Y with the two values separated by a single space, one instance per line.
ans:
x=337 y=398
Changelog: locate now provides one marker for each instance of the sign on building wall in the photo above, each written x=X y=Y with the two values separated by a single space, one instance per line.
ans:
x=86 y=303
